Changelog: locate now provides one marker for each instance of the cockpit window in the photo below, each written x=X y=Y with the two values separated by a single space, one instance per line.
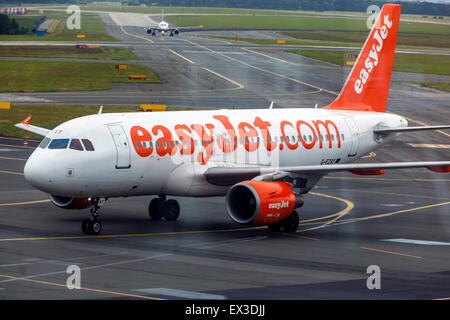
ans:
x=44 y=143
x=59 y=144
x=88 y=145
x=75 y=144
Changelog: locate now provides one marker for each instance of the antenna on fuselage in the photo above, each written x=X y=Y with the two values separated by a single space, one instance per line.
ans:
x=271 y=106
x=100 y=110
x=315 y=107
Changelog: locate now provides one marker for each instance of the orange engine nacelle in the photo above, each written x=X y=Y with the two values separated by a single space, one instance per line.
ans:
x=70 y=203
x=260 y=203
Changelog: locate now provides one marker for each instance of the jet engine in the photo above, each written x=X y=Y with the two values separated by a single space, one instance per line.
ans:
x=260 y=203
x=70 y=203
x=176 y=31
x=149 y=31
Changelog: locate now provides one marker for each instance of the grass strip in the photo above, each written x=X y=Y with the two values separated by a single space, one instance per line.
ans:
x=43 y=76
x=105 y=53
x=404 y=62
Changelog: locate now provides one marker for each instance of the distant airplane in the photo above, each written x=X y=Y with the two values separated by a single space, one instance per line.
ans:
x=163 y=28
x=261 y=160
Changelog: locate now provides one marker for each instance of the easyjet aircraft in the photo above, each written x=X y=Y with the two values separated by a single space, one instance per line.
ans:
x=262 y=160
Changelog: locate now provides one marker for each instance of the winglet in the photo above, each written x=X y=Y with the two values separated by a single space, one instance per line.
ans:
x=26 y=120
x=367 y=86
x=25 y=125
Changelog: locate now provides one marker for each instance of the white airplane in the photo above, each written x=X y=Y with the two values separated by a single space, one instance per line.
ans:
x=261 y=160
x=163 y=28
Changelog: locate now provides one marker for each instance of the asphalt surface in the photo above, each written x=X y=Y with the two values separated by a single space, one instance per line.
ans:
x=348 y=222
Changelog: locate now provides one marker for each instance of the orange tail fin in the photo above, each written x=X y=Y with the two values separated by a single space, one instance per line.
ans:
x=367 y=86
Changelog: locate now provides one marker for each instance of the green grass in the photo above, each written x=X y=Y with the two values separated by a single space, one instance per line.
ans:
x=91 y=26
x=442 y=86
x=403 y=39
x=50 y=116
x=32 y=76
x=106 y=53
x=288 y=42
x=405 y=62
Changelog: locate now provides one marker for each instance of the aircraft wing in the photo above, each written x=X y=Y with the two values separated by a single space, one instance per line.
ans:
x=230 y=175
x=409 y=129
x=25 y=125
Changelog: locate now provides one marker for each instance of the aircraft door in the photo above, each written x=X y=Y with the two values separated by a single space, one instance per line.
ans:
x=354 y=136
x=122 y=146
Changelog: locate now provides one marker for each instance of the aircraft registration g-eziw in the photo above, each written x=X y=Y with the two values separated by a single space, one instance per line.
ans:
x=261 y=160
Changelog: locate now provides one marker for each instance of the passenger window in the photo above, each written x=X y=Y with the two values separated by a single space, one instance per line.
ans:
x=88 y=145
x=44 y=143
x=59 y=144
x=75 y=144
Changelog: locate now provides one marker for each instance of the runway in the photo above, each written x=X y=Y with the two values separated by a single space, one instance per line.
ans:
x=399 y=221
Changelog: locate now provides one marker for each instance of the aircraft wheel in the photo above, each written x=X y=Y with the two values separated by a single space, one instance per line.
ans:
x=154 y=209
x=91 y=226
x=171 y=210
x=290 y=224
x=275 y=227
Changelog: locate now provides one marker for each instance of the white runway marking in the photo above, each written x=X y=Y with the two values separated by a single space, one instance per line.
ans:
x=13 y=264
x=422 y=242
x=181 y=294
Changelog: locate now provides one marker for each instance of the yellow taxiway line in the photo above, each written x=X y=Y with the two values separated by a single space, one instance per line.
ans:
x=23 y=203
x=12 y=172
x=350 y=206
x=15 y=146
x=239 y=86
x=268 y=56
x=82 y=288
x=9 y=158
x=123 y=30
x=181 y=56
x=392 y=252
x=429 y=145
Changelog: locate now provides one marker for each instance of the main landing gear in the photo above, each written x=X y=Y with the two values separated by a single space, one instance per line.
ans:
x=161 y=208
x=93 y=224
x=290 y=224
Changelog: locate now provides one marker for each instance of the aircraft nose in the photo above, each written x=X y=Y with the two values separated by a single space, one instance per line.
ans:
x=39 y=172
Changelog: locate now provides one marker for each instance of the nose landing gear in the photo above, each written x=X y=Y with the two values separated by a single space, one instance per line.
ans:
x=93 y=224
x=161 y=208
